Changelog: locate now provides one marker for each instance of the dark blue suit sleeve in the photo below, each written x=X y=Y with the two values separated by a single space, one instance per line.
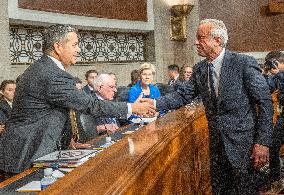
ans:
x=258 y=90
x=62 y=92
x=183 y=95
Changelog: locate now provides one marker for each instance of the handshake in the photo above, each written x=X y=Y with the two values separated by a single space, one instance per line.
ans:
x=144 y=107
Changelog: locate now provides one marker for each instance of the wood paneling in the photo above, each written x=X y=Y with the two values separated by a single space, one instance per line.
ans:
x=249 y=27
x=169 y=156
x=113 y=9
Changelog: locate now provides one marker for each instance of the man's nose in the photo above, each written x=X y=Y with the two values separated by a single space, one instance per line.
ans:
x=78 y=49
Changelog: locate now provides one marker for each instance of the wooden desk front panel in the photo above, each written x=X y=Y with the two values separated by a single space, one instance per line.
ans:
x=169 y=156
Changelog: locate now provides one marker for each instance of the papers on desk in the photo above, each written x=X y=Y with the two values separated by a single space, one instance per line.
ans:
x=127 y=132
x=65 y=158
x=33 y=186
x=143 y=120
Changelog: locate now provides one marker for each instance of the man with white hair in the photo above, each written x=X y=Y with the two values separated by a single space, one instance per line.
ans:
x=231 y=87
x=105 y=89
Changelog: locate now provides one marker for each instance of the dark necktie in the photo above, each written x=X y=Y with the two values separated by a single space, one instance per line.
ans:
x=211 y=83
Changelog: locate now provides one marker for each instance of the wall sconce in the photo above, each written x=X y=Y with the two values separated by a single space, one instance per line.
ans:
x=179 y=21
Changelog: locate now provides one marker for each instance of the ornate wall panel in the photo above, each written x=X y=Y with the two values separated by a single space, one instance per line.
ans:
x=26 y=46
x=113 y=9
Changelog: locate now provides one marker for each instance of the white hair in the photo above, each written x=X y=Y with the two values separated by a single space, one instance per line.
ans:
x=219 y=30
x=102 y=79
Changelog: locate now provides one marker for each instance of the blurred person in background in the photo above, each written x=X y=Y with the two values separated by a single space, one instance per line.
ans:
x=90 y=77
x=144 y=87
x=7 y=90
x=187 y=72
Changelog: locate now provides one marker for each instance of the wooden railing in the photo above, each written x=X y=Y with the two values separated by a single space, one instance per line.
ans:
x=168 y=156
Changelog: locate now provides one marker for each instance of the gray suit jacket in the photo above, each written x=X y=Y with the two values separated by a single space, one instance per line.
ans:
x=241 y=88
x=44 y=95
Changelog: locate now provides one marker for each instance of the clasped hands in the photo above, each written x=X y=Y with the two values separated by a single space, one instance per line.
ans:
x=144 y=107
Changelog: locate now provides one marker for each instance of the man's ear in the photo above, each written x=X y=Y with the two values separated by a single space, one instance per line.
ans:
x=218 y=41
x=57 y=47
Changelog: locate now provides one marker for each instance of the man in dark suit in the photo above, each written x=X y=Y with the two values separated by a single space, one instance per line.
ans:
x=173 y=72
x=231 y=86
x=38 y=116
x=274 y=64
x=90 y=77
x=7 y=90
x=105 y=88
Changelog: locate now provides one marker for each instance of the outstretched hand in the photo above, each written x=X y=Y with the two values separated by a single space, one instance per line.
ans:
x=76 y=145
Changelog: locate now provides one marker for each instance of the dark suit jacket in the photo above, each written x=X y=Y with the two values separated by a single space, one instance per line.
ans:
x=5 y=111
x=43 y=97
x=90 y=123
x=241 y=87
x=88 y=91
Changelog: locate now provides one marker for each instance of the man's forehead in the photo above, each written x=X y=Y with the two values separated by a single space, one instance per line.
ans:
x=72 y=36
x=204 y=29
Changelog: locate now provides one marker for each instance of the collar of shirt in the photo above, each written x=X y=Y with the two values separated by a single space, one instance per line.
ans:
x=9 y=103
x=99 y=97
x=176 y=77
x=57 y=62
x=217 y=63
x=90 y=87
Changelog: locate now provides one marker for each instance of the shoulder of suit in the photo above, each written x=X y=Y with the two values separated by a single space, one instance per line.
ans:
x=86 y=88
x=198 y=65
x=136 y=87
x=239 y=56
x=4 y=105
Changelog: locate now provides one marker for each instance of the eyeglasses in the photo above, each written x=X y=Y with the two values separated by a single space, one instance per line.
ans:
x=110 y=86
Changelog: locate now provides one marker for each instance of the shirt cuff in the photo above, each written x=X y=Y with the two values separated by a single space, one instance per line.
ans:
x=129 y=110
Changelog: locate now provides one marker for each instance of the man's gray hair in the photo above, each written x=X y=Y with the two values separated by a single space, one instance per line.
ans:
x=101 y=79
x=53 y=34
x=219 y=30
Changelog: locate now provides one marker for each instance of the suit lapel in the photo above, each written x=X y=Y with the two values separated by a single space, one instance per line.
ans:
x=204 y=75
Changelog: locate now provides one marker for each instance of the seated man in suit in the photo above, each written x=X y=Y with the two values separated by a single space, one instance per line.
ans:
x=38 y=116
x=173 y=72
x=7 y=90
x=105 y=88
x=90 y=77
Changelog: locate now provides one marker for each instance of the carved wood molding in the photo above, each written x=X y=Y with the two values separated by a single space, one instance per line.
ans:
x=276 y=7
x=135 y=10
